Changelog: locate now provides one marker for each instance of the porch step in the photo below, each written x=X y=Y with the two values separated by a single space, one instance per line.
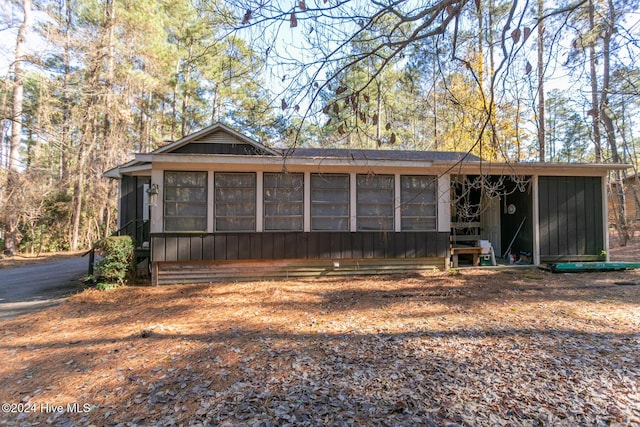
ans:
x=225 y=271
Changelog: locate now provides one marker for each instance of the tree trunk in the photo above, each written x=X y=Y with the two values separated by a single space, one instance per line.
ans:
x=379 y=113
x=606 y=115
x=541 y=113
x=597 y=140
x=78 y=188
x=65 y=142
x=12 y=234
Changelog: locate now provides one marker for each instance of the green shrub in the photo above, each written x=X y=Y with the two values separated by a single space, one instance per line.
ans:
x=116 y=267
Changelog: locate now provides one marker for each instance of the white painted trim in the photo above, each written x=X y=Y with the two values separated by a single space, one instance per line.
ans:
x=605 y=215
x=210 y=206
x=259 y=202
x=353 y=201
x=397 y=219
x=119 y=213
x=535 y=208
x=444 y=203
x=307 y=202
x=145 y=203
x=157 y=226
x=142 y=170
x=237 y=163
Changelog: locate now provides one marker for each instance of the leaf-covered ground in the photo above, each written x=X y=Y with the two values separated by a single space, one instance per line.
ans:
x=522 y=347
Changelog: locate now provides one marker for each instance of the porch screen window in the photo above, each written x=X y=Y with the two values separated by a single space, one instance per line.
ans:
x=283 y=201
x=185 y=201
x=374 y=202
x=418 y=200
x=235 y=201
x=329 y=202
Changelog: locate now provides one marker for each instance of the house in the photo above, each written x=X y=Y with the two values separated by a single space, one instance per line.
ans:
x=217 y=205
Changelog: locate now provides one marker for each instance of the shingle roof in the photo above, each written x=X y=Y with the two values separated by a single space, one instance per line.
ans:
x=357 y=154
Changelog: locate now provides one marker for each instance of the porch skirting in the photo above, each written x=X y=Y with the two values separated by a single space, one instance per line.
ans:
x=166 y=273
x=209 y=257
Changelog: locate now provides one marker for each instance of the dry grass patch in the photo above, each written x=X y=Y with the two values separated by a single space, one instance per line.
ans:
x=482 y=347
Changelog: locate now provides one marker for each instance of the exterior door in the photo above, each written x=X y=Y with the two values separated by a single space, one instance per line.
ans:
x=490 y=222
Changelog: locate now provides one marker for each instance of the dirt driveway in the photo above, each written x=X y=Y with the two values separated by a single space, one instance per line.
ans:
x=33 y=287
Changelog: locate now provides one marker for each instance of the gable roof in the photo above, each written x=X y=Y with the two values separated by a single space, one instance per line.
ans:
x=211 y=130
x=218 y=144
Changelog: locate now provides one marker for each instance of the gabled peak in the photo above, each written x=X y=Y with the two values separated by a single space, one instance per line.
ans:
x=216 y=139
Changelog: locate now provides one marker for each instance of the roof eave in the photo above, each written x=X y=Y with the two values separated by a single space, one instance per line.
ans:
x=128 y=168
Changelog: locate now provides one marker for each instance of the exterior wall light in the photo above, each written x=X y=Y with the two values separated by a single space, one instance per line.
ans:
x=153 y=192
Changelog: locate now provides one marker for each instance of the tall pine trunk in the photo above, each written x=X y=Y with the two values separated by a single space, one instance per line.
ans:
x=92 y=127
x=65 y=137
x=12 y=234
x=607 y=120
x=542 y=138
x=595 y=113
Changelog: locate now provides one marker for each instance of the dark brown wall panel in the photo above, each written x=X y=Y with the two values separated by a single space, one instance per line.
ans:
x=158 y=248
x=410 y=245
x=357 y=250
x=267 y=246
x=367 y=245
x=196 y=248
x=335 y=245
x=208 y=247
x=290 y=245
x=232 y=246
x=206 y=148
x=256 y=245
x=244 y=246
x=570 y=213
x=324 y=245
x=171 y=248
x=297 y=245
x=220 y=246
x=184 y=249
x=421 y=246
x=278 y=245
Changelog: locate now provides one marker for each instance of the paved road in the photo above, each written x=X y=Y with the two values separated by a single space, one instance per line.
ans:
x=33 y=287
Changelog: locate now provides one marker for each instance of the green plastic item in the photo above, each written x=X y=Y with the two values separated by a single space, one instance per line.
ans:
x=577 y=267
x=485 y=260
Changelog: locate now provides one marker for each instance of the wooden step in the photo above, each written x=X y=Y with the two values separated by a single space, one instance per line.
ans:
x=224 y=271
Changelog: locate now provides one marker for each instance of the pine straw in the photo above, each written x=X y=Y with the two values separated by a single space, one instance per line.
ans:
x=482 y=347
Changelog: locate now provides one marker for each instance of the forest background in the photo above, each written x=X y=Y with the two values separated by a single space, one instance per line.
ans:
x=87 y=83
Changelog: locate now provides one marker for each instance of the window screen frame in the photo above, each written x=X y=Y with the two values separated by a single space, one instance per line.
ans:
x=342 y=219
x=366 y=211
x=291 y=221
x=219 y=204
x=178 y=204
x=416 y=197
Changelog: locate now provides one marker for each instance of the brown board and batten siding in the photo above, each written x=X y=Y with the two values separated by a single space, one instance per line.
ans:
x=178 y=247
x=219 y=143
x=203 y=148
x=570 y=215
x=209 y=257
x=131 y=208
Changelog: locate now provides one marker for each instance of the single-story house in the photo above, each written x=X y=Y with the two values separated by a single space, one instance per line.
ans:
x=218 y=205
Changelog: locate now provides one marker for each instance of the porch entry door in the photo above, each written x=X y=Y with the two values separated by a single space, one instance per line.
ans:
x=490 y=222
